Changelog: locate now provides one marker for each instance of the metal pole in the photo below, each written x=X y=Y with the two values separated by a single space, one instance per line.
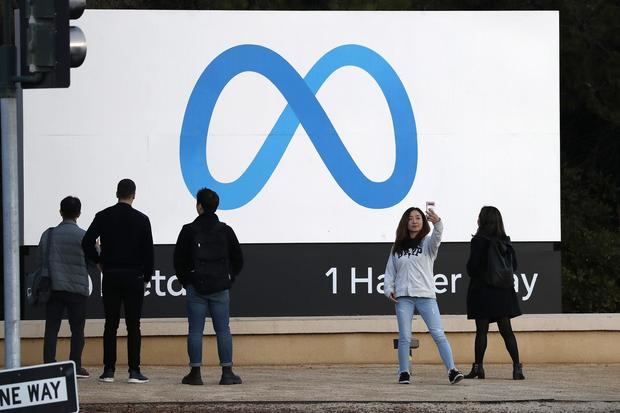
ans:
x=10 y=192
x=10 y=216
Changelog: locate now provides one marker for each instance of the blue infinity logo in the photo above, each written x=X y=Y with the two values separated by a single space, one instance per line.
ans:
x=304 y=108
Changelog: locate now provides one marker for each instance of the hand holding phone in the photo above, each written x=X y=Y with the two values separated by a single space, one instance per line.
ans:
x=431 y=215
x=430 y=205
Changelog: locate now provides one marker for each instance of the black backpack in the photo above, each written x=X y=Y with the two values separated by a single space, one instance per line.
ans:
x=210 y=259
x=499 y=264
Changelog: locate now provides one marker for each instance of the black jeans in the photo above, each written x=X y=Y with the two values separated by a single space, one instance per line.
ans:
x=126 y=288
x=76 y=312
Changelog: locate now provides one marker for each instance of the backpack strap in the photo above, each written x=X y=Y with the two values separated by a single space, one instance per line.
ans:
x=48 y=245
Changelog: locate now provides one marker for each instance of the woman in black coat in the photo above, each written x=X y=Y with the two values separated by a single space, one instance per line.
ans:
x=486 y=303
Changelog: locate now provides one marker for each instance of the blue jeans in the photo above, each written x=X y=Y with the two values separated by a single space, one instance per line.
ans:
x=428 y=309
x=198 y=306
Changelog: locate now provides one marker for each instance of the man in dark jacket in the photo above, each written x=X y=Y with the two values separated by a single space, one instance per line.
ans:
x=126 y=260
x=68 y=274
x=208 y=286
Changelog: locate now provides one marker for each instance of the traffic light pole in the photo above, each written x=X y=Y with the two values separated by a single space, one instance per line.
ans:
x=10 y=217
x=45 y=51
x=10 y=195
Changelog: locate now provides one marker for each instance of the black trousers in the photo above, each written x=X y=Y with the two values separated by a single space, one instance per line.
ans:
x=122 y=288
x=54 y=312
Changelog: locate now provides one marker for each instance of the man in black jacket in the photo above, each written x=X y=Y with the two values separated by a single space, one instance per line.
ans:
x=126 y=259
x=207 y=277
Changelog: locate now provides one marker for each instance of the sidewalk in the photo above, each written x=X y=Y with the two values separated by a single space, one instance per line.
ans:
x=358 y=388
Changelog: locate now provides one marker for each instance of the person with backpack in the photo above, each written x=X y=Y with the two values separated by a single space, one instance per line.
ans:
x=61 y=247
x=207 y=259
x=410 y=285
x=491 y=297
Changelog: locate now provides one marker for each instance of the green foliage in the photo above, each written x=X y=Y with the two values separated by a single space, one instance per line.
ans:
x=590 y=86
x=591 y=242
x=590 y=140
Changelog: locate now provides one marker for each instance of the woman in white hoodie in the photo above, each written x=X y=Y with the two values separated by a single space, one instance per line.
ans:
x=410 y=285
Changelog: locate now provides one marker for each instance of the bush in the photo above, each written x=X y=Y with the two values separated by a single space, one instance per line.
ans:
x=590 y=242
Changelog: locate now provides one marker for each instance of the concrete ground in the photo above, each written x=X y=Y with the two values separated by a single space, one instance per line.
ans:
x=358 y=388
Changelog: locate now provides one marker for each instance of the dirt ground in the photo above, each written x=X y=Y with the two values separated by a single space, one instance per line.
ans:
x=495 y=407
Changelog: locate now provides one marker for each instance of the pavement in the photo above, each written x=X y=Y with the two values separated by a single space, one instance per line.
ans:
x=359 y=388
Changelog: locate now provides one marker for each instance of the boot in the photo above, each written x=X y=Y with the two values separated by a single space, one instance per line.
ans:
x=228 y=377
x=193 y=377
x=477 y=371
x=517 y=371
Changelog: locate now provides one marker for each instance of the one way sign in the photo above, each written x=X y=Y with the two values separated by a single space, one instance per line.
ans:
x=44 y=388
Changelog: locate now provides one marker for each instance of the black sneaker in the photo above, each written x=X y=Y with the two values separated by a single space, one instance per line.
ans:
x=455 y=376
x=81 y=373
x=136 y=377
x=403 y=378
x=107 y=376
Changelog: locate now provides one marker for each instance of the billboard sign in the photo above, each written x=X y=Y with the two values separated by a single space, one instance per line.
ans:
x=317 y=129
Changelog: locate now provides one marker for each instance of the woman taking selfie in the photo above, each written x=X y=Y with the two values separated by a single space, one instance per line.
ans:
x=490 y=300
x=409 y=283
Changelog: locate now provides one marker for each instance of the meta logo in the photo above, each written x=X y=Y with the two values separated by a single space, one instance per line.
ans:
x=302 y=108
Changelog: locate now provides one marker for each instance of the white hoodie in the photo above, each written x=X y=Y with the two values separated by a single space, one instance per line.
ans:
x=411 y=274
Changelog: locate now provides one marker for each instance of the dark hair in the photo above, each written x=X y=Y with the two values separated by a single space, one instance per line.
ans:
x=70 y=207
x=490 y=223
x=125 y=189
x=208 y=199
x=403 y=240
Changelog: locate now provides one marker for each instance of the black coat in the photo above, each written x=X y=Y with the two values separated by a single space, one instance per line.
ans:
x=126 y=240
x=485 y=302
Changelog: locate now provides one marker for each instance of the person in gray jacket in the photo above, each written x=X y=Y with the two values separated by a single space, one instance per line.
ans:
x=69 y=283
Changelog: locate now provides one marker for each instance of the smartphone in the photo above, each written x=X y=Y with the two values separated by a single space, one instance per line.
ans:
x=430 y=205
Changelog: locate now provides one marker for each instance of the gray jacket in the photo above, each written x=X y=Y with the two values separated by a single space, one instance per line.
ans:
x=66 y=259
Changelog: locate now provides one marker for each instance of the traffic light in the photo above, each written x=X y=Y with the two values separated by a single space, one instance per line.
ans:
x=49 y=46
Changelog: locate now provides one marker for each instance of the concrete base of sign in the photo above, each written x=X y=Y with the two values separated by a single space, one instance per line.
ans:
x=547 y=338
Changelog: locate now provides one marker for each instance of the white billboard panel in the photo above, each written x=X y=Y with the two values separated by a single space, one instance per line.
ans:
x=312 y=126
